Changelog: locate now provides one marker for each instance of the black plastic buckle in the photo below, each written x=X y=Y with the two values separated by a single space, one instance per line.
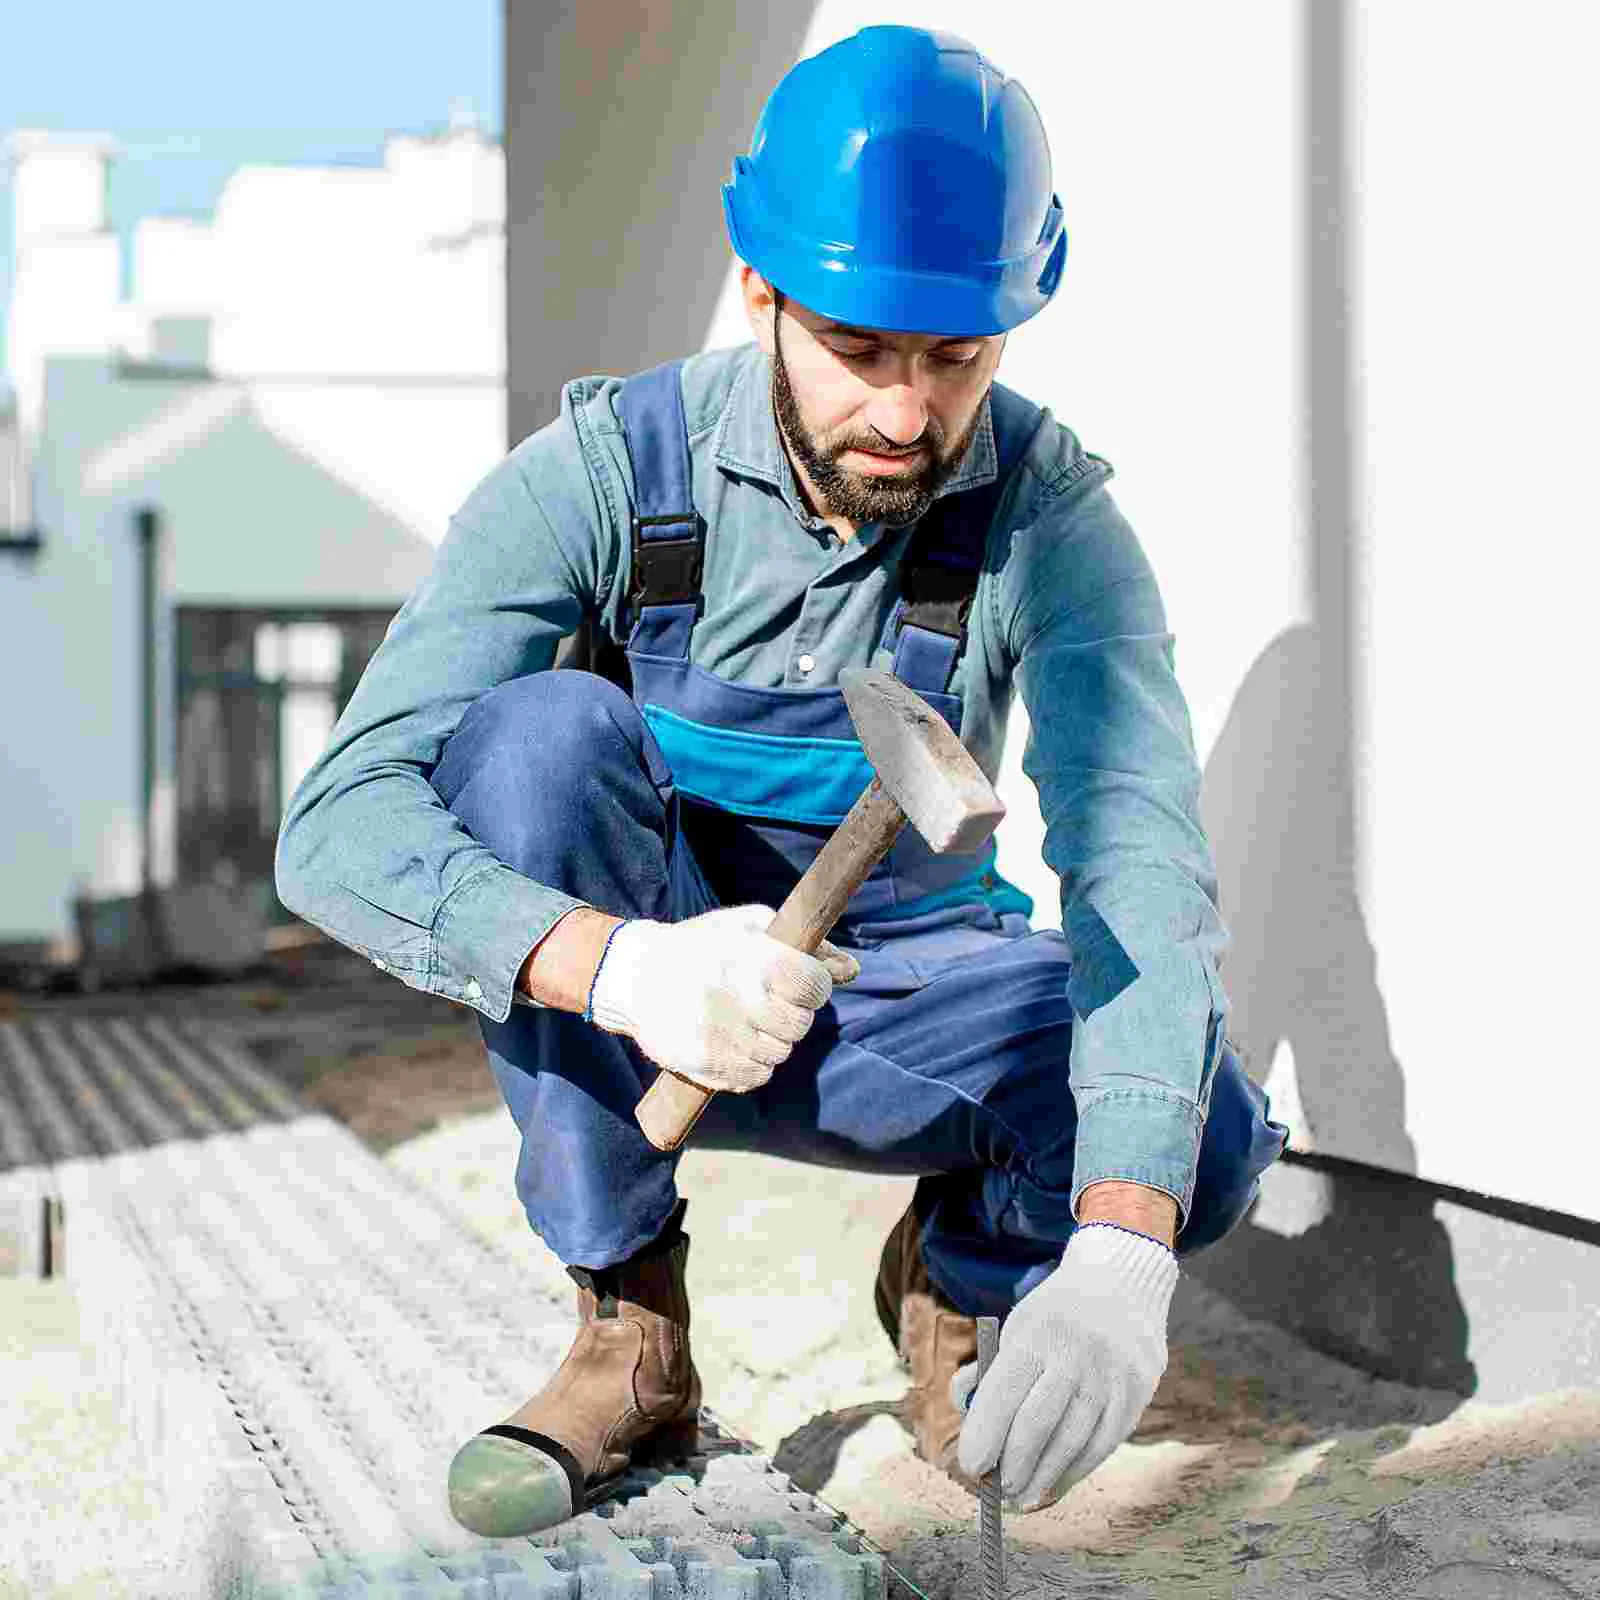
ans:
x=667 y=572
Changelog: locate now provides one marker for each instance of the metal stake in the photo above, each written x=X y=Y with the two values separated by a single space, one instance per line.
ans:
x=991 y=1552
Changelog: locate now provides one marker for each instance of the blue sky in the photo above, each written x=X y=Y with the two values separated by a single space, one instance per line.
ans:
x=194 y=90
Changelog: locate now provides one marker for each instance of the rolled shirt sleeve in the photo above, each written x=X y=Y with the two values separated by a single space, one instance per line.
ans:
x=1111 y=752
x=367 y=851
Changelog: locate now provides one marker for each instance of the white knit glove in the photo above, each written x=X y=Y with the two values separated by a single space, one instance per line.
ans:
x=714 y=998
x=1079 y=1360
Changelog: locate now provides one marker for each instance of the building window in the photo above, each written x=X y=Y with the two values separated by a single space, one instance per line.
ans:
x=258 y=694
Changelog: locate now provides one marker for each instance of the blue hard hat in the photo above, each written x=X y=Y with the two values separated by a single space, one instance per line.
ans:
x=898 y=180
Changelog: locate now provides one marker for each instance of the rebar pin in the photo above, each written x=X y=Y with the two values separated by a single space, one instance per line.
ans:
x=991 y=1552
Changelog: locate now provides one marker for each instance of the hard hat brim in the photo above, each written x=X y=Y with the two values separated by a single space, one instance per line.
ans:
x=984 y=298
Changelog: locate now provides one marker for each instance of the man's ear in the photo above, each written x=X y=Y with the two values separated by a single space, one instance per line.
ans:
x=759 y=306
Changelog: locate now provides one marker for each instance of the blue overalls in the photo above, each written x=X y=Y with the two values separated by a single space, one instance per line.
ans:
x=945 y=1060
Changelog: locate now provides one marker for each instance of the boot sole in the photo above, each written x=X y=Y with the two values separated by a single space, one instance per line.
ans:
x=667 y=1444
x=663 y=1448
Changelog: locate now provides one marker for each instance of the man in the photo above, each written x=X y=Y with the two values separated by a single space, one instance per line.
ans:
x=853 y=488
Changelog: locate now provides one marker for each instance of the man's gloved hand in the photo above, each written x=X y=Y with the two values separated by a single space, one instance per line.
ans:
x=1079 y=1360
x=714 y=998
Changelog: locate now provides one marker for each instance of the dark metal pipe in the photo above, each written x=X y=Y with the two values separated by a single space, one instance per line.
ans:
x=147 y=528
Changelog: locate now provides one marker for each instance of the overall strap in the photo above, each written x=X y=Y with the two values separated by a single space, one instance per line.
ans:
x=939 y=573
x=668 y=534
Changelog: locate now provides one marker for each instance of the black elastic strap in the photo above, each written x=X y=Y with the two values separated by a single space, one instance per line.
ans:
x=939 y=575
x=937 y=598
x=668 y=534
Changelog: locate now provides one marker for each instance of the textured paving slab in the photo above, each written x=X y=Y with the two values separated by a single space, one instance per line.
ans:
x=300 y=1337
x=81 y=1087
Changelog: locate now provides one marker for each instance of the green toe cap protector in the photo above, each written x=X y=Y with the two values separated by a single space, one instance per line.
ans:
x=503 y=1486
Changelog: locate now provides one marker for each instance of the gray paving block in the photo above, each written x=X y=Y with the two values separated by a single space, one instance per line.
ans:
x=43 y=1118
x=606 y=1568
x=342 y=1333
x=732 y=1527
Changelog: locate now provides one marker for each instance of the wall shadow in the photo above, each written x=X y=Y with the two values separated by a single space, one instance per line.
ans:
x=1357 y=1266
x=811 y=1453
x=622 y=122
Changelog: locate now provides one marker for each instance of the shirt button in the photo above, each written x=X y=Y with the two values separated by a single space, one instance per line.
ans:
x=806 y=663
x=472 y=991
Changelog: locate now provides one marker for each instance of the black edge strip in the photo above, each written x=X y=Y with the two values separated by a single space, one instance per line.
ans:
x=1562 y=1223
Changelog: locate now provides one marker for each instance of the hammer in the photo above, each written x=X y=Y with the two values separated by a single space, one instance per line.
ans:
x=923 y=775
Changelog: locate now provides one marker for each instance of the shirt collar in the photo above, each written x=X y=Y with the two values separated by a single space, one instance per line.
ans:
x=748 y=443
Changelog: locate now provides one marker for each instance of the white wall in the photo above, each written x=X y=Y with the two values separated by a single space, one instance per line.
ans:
x=1388 y=678
x=1479 y=340
x=394 y=271
x=59 y=182
x=1171 y=347
x=66 y=265
x=622 y=120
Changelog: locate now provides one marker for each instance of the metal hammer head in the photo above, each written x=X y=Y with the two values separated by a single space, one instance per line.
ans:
x=924 y=766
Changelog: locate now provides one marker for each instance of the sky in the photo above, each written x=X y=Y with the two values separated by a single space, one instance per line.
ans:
x=192 y=91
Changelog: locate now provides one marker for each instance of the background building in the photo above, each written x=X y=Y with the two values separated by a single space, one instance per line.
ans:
x=1328 y=309
x=219 y=487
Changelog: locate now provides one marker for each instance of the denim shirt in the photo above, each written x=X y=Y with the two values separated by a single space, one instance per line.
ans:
x=1067 y=609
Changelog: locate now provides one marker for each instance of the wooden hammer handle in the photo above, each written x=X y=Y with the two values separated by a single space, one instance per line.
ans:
x=671 y=1106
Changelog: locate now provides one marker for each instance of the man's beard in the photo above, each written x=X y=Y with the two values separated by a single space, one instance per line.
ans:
x=857 y=496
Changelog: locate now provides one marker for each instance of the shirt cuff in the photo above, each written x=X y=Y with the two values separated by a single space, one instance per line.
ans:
x=483 y=933
x=1137 y=1136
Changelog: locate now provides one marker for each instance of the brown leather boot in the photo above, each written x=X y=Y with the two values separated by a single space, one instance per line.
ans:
x=627 y=1392
x=933 y=1338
